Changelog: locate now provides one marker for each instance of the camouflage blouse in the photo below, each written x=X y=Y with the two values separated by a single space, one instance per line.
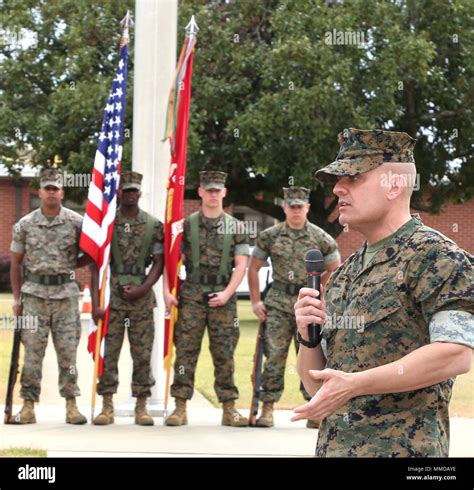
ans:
x=130 y=233
x=287 y=248
x=50 y=247
x=416 y=290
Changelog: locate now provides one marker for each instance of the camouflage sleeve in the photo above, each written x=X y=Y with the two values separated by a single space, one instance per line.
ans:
x=78 y=224
x=158 y=239
x=453 y=326
x=241 y=243
x=329 y=249
x=261 y=250
x=186 y=233
x=443 y=282
x=18 y=238
x=332 y=257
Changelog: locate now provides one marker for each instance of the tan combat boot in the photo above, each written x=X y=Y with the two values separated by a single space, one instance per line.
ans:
x=179 y=416
x=106 y=417
x=73 y=416
x=142 y=417
x=26 y=415
x=266 y=417
x=312 y=424
x=231 y=417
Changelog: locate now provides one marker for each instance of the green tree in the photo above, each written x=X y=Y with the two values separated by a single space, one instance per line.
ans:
x=270 y=93
x=58 y=60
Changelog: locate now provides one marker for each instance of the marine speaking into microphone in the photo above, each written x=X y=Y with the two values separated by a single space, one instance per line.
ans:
x=383 y=391
x=314 y=264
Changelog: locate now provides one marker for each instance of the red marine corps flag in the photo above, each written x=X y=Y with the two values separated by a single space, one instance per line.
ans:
x=177 y=132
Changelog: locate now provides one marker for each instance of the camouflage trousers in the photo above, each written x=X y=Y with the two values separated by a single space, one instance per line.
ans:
x=280 y=330
x=141 y=333
x=223 y=334
x=61 y=316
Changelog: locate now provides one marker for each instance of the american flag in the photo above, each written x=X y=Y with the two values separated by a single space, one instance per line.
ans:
x=101 y=207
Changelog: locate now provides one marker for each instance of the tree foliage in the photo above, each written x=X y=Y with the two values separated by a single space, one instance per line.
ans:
x=270 y=92
x=58 y=59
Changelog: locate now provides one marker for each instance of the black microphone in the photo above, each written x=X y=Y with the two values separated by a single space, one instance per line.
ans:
x=314 y=264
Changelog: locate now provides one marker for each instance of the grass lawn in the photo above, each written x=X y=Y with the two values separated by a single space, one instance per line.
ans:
x=6 y=339
x=6 y=302
x=462 y=402
x=244 y=362
x=22 y=452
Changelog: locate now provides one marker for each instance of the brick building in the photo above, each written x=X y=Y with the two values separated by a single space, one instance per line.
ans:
x=456 y=221
x=17 y=198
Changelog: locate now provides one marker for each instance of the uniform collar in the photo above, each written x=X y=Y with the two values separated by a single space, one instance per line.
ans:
x=210 y=222
x=392 y=247
x=301 y=231
x=42 y=220
x=139 y=218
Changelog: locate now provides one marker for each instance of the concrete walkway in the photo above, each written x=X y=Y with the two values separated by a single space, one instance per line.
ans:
x=203 y=437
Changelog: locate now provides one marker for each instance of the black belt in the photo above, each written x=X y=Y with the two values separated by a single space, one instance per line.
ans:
x=132 y=270
x=287 y=288
x=48 y=280
x=208 y=279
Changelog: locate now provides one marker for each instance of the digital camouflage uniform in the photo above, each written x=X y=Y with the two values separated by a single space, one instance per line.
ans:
x=416 y=290
x=286 y=248
x=134 y=316
x=195 y=314
x=50 y=248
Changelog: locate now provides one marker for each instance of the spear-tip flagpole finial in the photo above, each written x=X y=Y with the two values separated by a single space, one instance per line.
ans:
x=126 y=23
x=192 y=27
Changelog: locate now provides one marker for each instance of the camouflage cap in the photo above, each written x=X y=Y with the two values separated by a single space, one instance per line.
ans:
x=52 y=177
x=212 y=179
x=362 y=151
x=131 y=180
x=296 y=195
